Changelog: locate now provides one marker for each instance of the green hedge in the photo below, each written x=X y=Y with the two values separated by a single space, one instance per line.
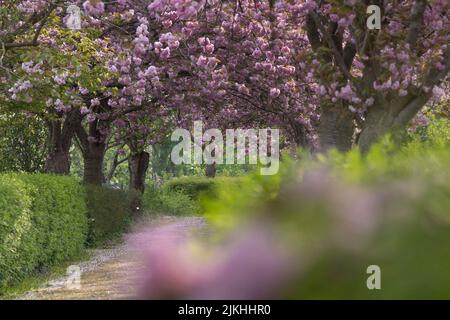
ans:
x=171 y=202
x=182 y=196
x=109 y=213
x=191 y=186
x=43 y=221
x=196 y=186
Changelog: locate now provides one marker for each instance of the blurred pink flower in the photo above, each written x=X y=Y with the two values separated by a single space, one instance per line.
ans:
x=250 y=267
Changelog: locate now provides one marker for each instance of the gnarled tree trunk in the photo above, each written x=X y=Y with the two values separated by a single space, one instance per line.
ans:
x=336 y=128
x=61 y=133
x=390 y=112
x=138 y=166
x=389 y=117
x=58 y=162
x=93 y=163
x=93 y=148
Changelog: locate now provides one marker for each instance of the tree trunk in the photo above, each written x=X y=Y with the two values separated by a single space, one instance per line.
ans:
x=93 y=147
x=336 y=128
x=378 y=122
x=61 y=133
x=389 y=117
x=300 y=136
x=210 y=170
x=58 y=162
x=93 y=163
x=138 y=166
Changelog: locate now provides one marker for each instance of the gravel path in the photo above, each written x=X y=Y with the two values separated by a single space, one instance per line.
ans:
x=109 y=273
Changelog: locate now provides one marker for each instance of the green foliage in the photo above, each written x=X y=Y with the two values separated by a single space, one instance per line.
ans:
x=109 y=213
x=160 y=162
x=191 y=186
x=59 y=208
x=162 y=166
x=185 y=195
x=120 y=176
x=385 y=161
x=425 y=163
x=196 y=186
x=342 y=212
x=76 y=163
x=436 y=132
x=23 y=143
x=43 y=221
x=171 y=202
x=234 y=170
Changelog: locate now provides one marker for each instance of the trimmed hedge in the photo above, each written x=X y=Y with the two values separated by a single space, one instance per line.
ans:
x=109 y=213
x=196 y=186
x=183 y=195
x=169 y=202
x=191 y=186
x=43 y=221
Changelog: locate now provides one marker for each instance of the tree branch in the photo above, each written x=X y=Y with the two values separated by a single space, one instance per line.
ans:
x=71 y=122
x=82 y=137
x=349 y=54
x=410 y=110
x=313 y=33
x=435 y=75
x=332 y=45
x=416 y=22
x=35 y=18
x=114 y=165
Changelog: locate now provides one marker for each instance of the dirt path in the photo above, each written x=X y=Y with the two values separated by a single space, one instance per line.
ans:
x=109 y=273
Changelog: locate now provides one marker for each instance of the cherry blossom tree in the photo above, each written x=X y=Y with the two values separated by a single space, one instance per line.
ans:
x=280 y=62
x=310 y=68
x=62 y=75
x=48 y=75
x=378 y=78
x=231 y=64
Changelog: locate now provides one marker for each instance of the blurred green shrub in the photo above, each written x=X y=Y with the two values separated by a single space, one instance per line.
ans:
x=434 y=128
x=43 y=221
x=342 y=212
x=109 y=212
